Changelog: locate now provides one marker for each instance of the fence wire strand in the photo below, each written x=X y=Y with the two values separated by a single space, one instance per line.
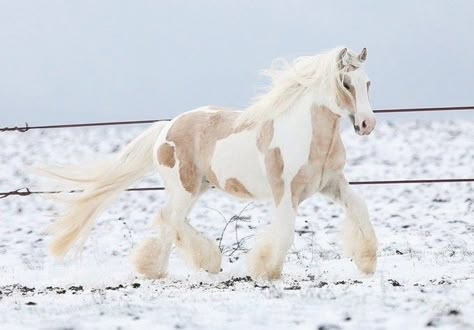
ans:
x=27 y=128
x=27 y=192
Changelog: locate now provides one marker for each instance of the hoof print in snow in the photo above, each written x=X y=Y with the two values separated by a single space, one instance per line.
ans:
x=321 y=284
x=329 y=327
x=114 y=288
x=394 y=282
x=454 y=312
x=76 y=288
x=230 y=282
x=432 y=323
x=293 y=287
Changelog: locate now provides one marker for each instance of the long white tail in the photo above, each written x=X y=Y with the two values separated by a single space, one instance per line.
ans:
x=101 y=183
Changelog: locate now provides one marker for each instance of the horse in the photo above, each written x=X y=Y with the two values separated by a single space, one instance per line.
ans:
x=284 y=148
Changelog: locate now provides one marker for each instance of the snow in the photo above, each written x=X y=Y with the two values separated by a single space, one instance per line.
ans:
x=426 y=235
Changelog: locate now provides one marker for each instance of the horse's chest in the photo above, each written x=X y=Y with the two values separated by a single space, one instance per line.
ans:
x=326 y=156
x=327 y=151
x=327 y=161
x=335 y=155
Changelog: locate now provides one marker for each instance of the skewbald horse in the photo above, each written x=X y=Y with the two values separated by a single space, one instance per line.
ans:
x=290 y=141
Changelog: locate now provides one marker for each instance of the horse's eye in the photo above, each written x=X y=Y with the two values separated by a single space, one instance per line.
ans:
x=346 y=85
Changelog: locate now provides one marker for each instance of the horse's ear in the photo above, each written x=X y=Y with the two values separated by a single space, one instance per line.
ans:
x=344 y=58
x=363 y=55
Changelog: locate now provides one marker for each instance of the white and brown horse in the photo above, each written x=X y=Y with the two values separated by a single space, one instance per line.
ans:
x=283 y=148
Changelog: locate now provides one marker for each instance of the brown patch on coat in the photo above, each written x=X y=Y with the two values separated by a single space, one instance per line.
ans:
x=326 y=153
x=243 y=127
x=166 y=155
x=352 y=92
x=195 y=135
x=235 y=187
x=274 y=164
x=265 y=135
x=346 y=98
x=298 y=185
x=345 y=101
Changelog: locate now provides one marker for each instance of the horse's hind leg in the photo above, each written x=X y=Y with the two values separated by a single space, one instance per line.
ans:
x=151 y=257
x=197 y=250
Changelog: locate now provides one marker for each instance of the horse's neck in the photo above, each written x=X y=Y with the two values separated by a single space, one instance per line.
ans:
x=314 y=129
x=327 y=144
x=318 y=116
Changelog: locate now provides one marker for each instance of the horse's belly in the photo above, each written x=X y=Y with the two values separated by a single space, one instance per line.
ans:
x=238 y=166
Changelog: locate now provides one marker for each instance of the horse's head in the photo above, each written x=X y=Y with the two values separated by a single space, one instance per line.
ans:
x=353 y=85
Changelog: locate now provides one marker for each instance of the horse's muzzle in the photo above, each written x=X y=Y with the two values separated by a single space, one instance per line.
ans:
x=364 y=124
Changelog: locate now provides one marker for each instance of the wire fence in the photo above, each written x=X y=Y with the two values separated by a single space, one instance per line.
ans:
x=26 y=128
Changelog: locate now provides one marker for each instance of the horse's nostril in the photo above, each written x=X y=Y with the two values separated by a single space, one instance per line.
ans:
x=364 y=124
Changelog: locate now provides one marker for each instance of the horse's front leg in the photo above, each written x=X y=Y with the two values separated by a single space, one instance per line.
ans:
x=359 y=240
x=272 y=244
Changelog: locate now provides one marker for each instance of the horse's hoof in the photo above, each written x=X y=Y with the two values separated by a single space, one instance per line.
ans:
x=151 y=258
x=262 y=267
x=367 y=262
x=212 y=264
x=266 y=276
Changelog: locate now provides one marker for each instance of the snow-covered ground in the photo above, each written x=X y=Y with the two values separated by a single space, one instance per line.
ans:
x=426 y=234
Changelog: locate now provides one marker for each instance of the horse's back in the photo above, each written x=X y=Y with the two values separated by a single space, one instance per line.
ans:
x=207 y=144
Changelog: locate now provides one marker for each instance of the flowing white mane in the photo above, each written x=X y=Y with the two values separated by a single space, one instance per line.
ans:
x=290 y=81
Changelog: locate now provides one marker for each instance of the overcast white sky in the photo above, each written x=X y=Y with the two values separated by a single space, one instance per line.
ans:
x=74 y=61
